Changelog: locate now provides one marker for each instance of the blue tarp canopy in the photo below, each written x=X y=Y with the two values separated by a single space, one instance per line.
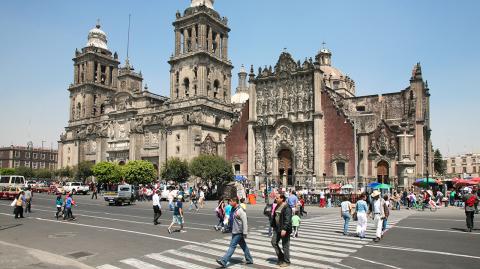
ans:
x=240 y=178
x=373 y=185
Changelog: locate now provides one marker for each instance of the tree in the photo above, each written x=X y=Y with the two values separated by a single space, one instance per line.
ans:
x=65 y=172
x=27 y=172
x=83 y=170
x=212 y=170
x=175 y=170
x=7 y=171
x=107 y=172
x=139 y=172
x=43 y=173
x=438 y=163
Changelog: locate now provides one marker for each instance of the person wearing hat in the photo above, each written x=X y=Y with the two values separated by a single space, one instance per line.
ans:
x=177 y=215
x=377 y=210
x=157 y=208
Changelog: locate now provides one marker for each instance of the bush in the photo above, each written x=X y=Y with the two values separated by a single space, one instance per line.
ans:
x=139 y=172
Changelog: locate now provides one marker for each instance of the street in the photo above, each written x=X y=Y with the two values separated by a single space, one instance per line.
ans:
x=110 y=237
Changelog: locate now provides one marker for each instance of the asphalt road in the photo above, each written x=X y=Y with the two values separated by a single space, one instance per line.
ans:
x=120 y=237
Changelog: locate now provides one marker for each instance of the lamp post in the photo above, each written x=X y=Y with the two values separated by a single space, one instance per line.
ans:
x=264 y=127
x=165 y=130
x=30 y=147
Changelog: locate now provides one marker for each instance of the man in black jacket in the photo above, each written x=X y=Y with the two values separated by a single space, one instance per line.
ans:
x=281 y=223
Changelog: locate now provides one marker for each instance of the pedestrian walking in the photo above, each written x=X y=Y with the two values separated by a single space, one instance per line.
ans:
x=387 y=213
x=295 y=224
x=377 y=210
x=302 y=206
x=69 y=202
x=157 y=207
x=346 y=213
x=282 y=228
x=220 y=212
x=28 y=200
x=269 y=211
x=239 y=224
x=201 y=198
x=322 y=198
x=293 y=201
x=361 y=209
x=177 y=215
x=226 y=220
x=93 y=187
x=193 y=200
x=18 y=205
x=471 y=202
x=58 y=204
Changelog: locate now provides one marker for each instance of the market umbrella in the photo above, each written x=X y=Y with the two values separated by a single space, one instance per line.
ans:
x=373 y=185
x=334 y=186
x=239 y=178
x=425 y=182
x=347 y=186
x=383 y=187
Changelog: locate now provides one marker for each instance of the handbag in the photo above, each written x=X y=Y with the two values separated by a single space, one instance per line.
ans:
x=355 y=217
x=14 y=202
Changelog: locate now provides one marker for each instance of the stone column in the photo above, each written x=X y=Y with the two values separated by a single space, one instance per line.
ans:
x=318 y=125
x=210 y=41
x=75 y=74
x=219 y=47
x=202 y=36
x=225 y=48
x=185 y=40
x=194 y=39
x=114 y=78
x=178 y=45
x=98 y=79
x=108 y=77
x=90 y=71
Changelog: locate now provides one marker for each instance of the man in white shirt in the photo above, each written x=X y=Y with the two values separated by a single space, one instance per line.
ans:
x=378 y=212
x=157 y=212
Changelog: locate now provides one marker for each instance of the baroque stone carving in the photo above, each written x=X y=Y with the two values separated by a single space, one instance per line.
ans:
x=208 y=146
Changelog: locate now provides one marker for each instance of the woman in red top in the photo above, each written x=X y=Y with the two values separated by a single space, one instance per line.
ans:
x=302 y=206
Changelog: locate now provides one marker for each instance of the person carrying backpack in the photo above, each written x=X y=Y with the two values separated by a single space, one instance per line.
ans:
x=471 y=202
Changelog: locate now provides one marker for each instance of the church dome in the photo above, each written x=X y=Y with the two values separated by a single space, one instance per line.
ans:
x=331 y=72
x=97 y=38
x=240 y=97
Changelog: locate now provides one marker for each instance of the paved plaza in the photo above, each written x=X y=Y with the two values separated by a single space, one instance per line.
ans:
x=109 y=237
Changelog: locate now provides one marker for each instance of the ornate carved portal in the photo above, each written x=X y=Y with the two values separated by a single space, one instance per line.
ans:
x=382 y=172
x=285 y=170
x=209 y=146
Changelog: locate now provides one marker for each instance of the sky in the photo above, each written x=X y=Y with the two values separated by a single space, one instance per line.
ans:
x=375 y=42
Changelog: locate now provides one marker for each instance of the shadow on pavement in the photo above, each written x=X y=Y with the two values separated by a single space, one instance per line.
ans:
x=5 y=227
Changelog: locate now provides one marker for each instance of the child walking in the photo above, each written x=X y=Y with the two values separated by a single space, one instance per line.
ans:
x=295 y=224
x=59 y=204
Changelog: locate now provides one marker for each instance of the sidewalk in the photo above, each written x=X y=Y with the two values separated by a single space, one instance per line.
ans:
x=16 y=256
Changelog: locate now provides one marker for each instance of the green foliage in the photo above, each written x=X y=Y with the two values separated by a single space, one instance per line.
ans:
x=7 y=171
x=64 y=172
x=107 y=172
x=27 y=172
x=212 y=169
x=438 y=163
x=139 y=172
x=43 y=173
x=175 y=170
x=83 y=170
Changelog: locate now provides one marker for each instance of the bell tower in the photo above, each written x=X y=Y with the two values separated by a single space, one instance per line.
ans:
x=200 y=66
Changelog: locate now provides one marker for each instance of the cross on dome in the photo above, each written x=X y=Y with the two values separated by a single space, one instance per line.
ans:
x=207 y=3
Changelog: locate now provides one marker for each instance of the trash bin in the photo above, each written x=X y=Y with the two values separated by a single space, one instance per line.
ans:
x=251 y=199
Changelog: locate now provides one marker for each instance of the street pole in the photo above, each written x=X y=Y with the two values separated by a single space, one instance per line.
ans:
x=265 y=157
x=356 y=156
x=165 y=132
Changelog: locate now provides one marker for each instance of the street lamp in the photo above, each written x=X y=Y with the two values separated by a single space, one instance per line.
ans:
x=165 y=130
x=30 y=147
x=355 y=142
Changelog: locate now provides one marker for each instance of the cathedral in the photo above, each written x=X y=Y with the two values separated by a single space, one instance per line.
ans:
x=298 y=123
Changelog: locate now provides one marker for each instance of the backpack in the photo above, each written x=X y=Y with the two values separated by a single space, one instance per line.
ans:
x=471 y=201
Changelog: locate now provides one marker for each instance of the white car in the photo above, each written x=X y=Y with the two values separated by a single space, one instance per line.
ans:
x=75 y=187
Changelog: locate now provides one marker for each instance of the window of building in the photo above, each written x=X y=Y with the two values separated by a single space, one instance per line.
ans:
x=237 y=169
x=178 y=149
x=178 y=136
x=361 y=108
x=35 y=155
x=16 y=164
x=336 y=85
x=42 y=165
x=16 y=154
x=27 y=163
x=464 y=169
x=340 y=168
x=453 y=170
x=34 y=165
x=27 y=154
x=43 y=156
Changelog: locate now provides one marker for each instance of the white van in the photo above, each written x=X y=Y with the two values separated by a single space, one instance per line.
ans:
x=13 y=181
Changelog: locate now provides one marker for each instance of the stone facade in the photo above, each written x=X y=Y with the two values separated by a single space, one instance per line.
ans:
x=113 y=117
x=307 y=127
x=465 y=165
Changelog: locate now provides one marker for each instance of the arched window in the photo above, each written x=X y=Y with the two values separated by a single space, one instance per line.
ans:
x=195 y=72
x=79 y=110
x=216 y=87
x=102 y=109
x=195 y=89
x=186 y=83
x=177 y=77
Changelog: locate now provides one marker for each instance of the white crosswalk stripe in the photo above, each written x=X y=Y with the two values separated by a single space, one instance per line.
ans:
x=321 y=244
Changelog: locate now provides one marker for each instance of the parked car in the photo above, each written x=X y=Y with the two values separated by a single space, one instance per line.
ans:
x=75 y=187
x=125 y=194
x=12 y=181
x=10 y=193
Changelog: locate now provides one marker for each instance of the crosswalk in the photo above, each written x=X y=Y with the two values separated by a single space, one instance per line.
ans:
x=321 y=244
